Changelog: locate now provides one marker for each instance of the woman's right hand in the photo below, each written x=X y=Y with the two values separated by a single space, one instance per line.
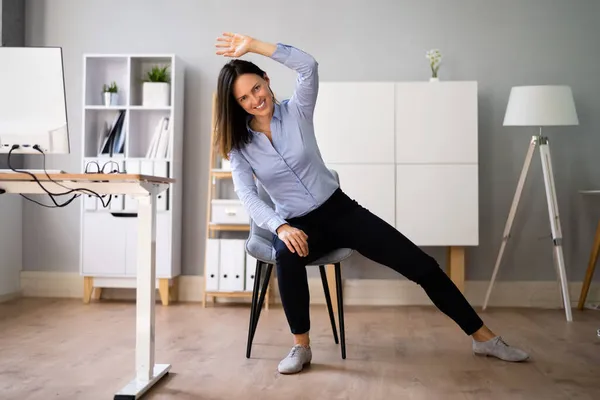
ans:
x=295 y=239
x=233 y=44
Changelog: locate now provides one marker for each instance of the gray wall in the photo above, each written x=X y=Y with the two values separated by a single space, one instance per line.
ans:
x=499 y=44
x=12 y=33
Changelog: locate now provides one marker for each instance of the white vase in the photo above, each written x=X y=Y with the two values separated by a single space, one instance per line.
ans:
x=110 y=98
x=434 y=79
x=156 y=94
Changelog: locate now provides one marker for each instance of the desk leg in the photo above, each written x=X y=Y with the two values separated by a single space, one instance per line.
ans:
x=456 y=266
x=147 y=372
x=590 y=269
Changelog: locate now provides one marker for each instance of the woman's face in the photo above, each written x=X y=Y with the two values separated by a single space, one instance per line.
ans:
x=253 y=94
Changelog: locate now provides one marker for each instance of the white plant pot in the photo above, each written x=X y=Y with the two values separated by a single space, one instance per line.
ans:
x=110 y=99
x=434 y=79
x=156 y=94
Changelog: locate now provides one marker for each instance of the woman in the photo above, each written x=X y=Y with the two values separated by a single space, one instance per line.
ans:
x=276 y=143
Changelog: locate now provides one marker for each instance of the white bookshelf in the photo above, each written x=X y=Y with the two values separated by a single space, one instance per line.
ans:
x=108 y=234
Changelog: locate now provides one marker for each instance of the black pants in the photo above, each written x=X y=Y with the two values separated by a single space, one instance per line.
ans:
x=342 y=223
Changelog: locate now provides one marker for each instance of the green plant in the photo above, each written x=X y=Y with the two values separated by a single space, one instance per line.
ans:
x=112 y=88
x=158 y=74
x=435 y=58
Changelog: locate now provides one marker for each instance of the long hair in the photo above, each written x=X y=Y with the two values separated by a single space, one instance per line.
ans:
x=230 y=119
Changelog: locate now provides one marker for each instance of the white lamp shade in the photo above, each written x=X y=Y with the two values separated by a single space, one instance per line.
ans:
x=545 y=105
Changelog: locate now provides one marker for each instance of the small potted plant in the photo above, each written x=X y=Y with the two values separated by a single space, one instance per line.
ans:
x=435 y=57
x=110 y=94
x=156 y=90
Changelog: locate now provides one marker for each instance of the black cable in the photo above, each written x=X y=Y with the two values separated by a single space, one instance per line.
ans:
x=36 y=147
x=50 y=194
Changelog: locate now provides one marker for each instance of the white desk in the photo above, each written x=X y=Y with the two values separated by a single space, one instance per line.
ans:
x=146 y=188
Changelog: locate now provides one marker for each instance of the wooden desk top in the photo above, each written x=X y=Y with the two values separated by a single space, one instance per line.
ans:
x=84 y=177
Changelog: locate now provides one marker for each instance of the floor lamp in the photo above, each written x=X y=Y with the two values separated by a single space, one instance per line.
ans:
x=540 y=106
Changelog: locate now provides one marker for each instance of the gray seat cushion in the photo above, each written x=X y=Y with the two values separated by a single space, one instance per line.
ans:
x=261 y=249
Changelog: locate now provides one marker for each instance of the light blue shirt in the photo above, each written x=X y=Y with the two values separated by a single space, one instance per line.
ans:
x=291 y=170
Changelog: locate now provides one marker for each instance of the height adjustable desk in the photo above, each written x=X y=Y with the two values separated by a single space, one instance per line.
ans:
x=145 y=188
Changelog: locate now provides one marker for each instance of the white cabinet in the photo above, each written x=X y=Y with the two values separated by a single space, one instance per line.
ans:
x=133 y=137
x=436 y=122
x=369 y=185
x=407 y=151
x=354 y=123
x=110 y=245
x=437 y=205
x=104 y=244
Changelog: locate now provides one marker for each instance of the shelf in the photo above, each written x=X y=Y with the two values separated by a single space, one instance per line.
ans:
x=105 y=108
x=225 y=227
x=220 y=174
x=140 y=65
x=143 y=125
x=230 y=294
x=136 y=129
x=104 y=70
x=124 y=107
x=98 y=122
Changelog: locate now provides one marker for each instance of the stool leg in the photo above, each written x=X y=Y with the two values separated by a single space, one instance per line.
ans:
x=590 y=269
x=328 y=301
x=251 y=326
x=261 y=298
x=340 y=300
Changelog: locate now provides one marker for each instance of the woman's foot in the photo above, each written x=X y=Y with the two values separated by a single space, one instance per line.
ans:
x=496 y=347
x=487 y=343
x=299 y=356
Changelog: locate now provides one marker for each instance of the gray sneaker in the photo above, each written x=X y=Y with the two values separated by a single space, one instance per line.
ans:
x=298 y=357
x=497 y=347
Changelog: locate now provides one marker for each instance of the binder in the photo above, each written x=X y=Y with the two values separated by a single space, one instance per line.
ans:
x=212 y=264
x=249 y=272
x=161 y=169
x=232 y=260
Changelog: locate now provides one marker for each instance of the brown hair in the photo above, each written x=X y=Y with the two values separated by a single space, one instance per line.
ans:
x=230 y=118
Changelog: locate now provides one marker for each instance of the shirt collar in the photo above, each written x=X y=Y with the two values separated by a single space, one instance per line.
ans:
x=276 y=114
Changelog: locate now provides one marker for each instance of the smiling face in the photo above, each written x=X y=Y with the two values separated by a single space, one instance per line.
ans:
x=253 y=94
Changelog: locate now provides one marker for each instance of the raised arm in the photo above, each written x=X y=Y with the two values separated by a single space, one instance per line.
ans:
x=307 y=81
x=245 y=187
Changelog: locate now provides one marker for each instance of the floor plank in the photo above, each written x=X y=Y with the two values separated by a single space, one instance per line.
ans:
x=61 y=348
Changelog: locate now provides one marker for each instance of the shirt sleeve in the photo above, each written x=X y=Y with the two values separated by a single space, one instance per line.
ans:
x=307 y=81
x=245 y=188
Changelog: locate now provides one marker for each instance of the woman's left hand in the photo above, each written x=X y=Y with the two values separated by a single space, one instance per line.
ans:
x=233 y=44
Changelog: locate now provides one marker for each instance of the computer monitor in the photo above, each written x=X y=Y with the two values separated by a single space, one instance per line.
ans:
x=33 y=109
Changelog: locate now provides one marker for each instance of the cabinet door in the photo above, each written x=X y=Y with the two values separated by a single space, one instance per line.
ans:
x=354 y=122
x=163 y=245
x=104 y=244
x=436 y=122
x=437 y=205
x=371 y=185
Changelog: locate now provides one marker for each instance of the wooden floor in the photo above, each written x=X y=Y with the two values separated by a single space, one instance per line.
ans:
x=63 y=349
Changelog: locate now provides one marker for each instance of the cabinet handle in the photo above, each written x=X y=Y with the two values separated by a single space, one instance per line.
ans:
x=230 y=211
